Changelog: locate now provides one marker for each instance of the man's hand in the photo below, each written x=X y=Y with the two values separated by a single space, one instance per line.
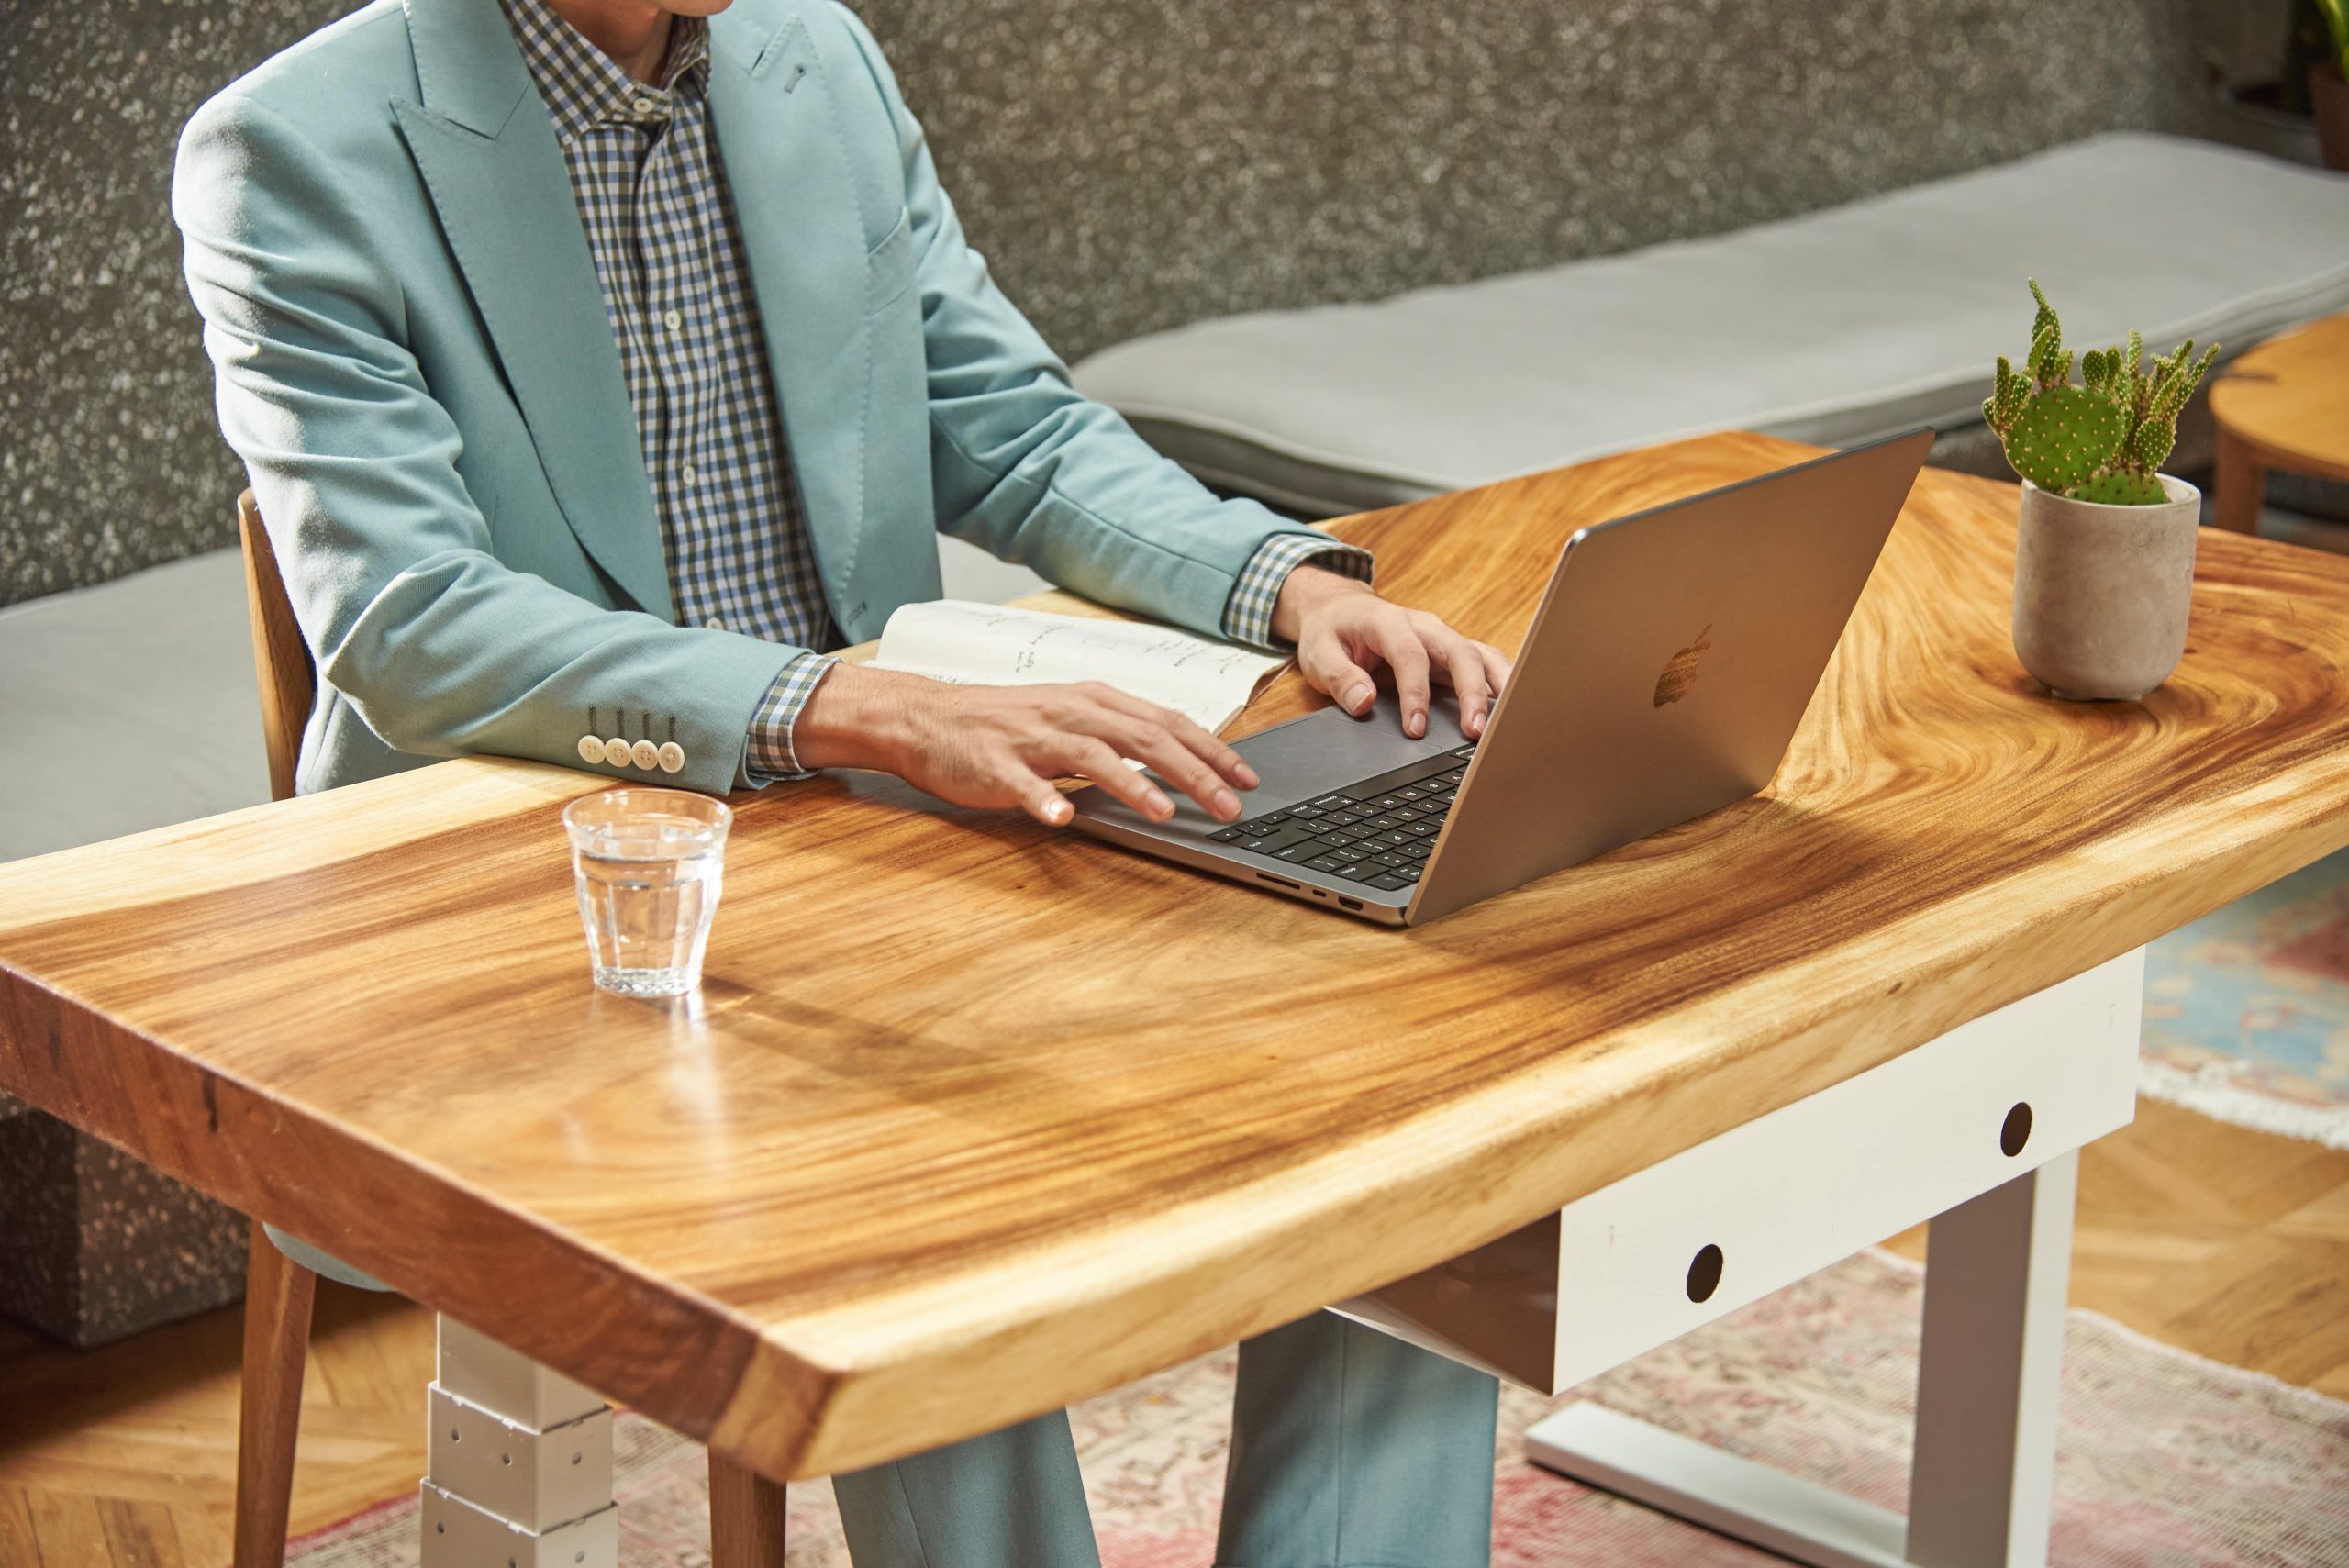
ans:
x=1003 y=746
x=1343 y=630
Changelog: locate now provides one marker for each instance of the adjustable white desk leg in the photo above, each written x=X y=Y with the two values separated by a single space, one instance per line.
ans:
x=1981 y=1488
x=1983 y=1480
x=1939 y=1131
x=521 y=1463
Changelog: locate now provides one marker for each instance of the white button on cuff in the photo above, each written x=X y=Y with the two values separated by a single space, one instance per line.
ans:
x=591 y=748
x=716 y=623
x=646 y=754
x=617 y=752
x=672 y=757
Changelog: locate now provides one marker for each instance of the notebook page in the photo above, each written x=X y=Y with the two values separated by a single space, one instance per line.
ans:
x=973 y=644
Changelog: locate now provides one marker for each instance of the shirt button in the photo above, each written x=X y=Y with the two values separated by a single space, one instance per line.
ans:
x=687 y=473
x=716 y=623
x=647 y=104
x=672 y=319
x=647 y=755
x=617 y=752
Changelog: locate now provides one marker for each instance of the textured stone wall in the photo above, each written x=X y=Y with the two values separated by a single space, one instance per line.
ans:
x=95 y=1246
x=1131 y=164
x=1128 y=164
x=109 y=456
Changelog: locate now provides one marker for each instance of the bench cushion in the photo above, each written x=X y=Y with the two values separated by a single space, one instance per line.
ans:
x=1834 y=327
x=132 y=704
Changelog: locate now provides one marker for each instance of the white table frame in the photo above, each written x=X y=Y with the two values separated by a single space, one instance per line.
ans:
x=1999 y=1261
x=1982 y=1481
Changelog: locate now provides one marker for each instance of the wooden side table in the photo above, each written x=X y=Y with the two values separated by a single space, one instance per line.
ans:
x=2284 y=404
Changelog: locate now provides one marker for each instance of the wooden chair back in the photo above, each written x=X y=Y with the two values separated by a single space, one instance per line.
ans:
x=289 y=681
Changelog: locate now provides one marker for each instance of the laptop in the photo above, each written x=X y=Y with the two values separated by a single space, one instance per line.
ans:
x=1664 y=675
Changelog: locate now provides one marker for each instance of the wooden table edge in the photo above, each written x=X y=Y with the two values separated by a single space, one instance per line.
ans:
x=752 y=1388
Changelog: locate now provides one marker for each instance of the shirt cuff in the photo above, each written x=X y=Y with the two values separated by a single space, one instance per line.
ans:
x=770 y=758
x=1248 y=614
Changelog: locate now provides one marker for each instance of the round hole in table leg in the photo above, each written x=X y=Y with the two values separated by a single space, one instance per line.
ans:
x=2016 y=1131
x=1705 y=1273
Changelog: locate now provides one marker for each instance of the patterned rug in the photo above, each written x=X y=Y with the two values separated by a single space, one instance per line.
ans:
x=2247 y=1011
x=2165 y=1459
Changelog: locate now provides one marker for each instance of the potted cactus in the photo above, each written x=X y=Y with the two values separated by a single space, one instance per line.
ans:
x=2104 y=562
x=2329 y=85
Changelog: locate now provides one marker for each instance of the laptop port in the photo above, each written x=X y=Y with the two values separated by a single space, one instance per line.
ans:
x=1278 y=881
x=1351 y=903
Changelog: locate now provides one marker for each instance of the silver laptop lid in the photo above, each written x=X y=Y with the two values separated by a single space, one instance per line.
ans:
x=1667 y=668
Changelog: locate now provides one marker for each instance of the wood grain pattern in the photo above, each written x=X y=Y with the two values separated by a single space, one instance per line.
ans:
x=150 y=1422
x=971 y=1119
x=289 y=681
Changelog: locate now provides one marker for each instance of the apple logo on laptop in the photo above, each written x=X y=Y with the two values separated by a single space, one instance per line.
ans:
x=1680 y=670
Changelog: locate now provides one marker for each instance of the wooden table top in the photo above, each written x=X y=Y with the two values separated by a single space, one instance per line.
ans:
x=971 y=1119
x=2290 y=399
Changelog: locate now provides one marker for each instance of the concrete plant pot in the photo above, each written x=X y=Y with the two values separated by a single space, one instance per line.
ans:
x=2329 y=94
x=2102 y=593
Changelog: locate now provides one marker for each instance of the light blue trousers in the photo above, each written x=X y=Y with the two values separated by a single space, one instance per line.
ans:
x=1348 y=1449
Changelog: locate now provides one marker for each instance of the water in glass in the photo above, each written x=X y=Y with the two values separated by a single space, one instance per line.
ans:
x=649 y=868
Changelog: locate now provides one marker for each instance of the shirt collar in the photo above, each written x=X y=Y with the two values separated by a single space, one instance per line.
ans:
x=583 y=86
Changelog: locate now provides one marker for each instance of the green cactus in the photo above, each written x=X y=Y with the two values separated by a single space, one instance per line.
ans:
x=2104 y=439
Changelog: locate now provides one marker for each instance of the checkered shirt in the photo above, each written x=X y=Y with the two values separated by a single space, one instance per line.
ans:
x=645 y=170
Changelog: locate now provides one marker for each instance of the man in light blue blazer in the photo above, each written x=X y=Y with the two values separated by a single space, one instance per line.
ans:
x=599 y=365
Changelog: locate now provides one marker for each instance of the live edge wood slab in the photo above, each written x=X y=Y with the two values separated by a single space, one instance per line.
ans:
x=971 y=1119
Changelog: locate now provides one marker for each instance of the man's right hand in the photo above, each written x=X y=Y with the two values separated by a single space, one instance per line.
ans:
x=1002 y=746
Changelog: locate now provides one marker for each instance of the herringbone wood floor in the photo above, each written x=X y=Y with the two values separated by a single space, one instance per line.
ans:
x=2226 y=1243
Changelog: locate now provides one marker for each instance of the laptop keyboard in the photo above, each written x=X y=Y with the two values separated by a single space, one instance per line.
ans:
x=1378 y=831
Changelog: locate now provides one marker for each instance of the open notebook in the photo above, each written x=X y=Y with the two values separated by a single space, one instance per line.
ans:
x=995 y=645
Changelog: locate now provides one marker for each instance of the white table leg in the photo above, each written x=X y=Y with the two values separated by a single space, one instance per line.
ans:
x=1983 y=1473
x=521 y=1463
x=1722 y=1492
x=1982 y=1486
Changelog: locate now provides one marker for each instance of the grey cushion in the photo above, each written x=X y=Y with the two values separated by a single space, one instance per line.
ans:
x=1834 y=327
x=130 y=706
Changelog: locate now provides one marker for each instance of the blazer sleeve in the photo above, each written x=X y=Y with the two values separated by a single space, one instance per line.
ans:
x=1024 y=466
x=440 y=648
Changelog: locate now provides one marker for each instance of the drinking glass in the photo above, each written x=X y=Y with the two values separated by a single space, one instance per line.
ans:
x=650 y=864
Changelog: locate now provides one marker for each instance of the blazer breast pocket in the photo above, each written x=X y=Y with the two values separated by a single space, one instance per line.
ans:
x=889 y=267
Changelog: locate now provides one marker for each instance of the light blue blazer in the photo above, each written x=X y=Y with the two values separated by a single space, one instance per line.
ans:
x=415 y=364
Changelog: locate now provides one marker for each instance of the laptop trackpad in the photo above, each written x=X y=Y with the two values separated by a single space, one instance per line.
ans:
x=1297 y=761
x=1329 y=749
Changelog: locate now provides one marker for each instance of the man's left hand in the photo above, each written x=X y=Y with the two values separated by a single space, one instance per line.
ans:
x=1343 y=631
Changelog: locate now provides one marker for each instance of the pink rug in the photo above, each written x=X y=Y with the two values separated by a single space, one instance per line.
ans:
x=2166 y=1459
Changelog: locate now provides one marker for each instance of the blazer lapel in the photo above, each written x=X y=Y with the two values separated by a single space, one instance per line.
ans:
x=488 y=155
x=797 y=205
